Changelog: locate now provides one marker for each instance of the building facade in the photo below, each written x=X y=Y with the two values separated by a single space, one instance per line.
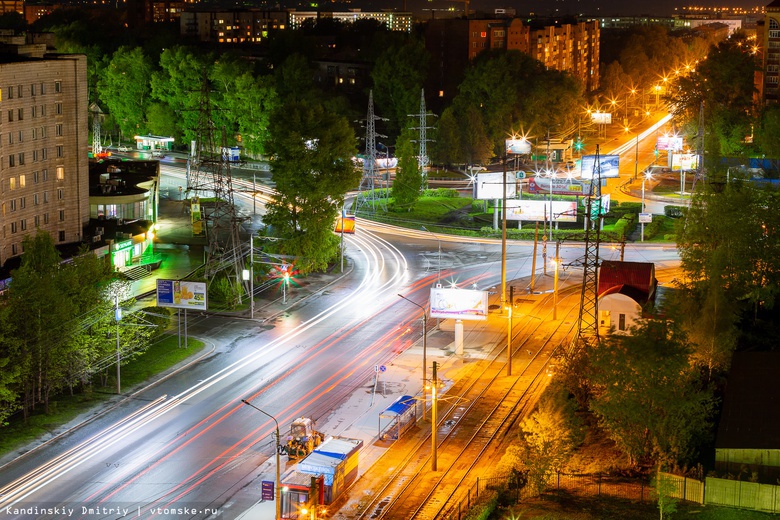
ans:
x=231 y=26
x=44 y=182
x=769 y=42
x=572 y=48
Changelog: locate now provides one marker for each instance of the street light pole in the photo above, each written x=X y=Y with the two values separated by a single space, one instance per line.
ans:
x=555 y=284
x=251 y=277
x=438 y=271
x=425 y=350
x=278 y=464
x=509 y=341
x=636 y=156
x=503 y=235
x=434 y=389
x=117 y=316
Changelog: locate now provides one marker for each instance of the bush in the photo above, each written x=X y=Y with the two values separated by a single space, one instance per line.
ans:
x=483 y=509
x=653 y=228
x=624 y=226
x=158 y=316
x=450 y=193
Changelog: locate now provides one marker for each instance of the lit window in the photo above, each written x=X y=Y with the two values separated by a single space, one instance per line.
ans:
x=22 y=181
x=60 y=173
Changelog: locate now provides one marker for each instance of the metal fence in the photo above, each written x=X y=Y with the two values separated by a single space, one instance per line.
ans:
x=584 y=485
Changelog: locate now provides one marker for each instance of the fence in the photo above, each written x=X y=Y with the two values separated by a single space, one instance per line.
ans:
x=744 y=495
x=714 y=491
x=585 y=485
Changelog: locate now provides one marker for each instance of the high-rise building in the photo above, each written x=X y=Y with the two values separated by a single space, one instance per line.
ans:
x=43 y=148
x=572 y=48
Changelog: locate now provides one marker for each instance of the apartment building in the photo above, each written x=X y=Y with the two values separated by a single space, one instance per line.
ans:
x=768 y=40
x=44 y=182
x=230 y=25
x=572 y=48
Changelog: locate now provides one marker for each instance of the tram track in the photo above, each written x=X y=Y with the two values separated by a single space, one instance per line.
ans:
x=485 y=407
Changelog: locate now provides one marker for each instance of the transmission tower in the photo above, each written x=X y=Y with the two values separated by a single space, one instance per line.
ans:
x=97 y=116
x=209 y=176
x=422 y=158
x=371 y=181
x=587 y=322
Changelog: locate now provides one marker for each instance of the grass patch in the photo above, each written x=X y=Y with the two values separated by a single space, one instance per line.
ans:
x=63 y=408
x=562 y=506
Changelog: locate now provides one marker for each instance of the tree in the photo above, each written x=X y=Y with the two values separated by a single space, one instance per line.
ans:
x=124 y=89
x=767 y=132
x=549 y=436
x=245 y=103
x=646 y=396
x=312 y=169
x=722 y=85
x=398 y=76
x=508 y=91
x=408 y=178
x=180 y=84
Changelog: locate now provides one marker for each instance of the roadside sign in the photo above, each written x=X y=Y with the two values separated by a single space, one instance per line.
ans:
x=645 y=218
x=520 y=175
x=382 y=368
x=267 y=490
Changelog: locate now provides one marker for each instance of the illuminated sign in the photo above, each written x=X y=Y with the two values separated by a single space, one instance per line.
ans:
x=608 y=164
x=181 y=295
x=539 y=210
x=490 y=185
x=518 y=146
x=461 y=304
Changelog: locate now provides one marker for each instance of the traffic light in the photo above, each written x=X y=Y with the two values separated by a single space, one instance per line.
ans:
x=655 y=151
x=578 y=144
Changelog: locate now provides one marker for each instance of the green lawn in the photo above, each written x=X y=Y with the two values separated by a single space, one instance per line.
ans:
x=64 y=408
x=561 y=506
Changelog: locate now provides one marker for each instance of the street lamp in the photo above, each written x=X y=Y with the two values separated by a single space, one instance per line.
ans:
x=557 y=263
x=648 y=176
x=278 y=464
x=425 y=349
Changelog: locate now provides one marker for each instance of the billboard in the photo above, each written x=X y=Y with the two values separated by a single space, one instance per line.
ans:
x=181 y=295
x=559 y=186
x=539 y=210
x=345 y=224
x=460 y=304
x=672 y=144
x=609 y=164
x=490 y=185
x=601 y=118
x=517 y=146
x=684 y=161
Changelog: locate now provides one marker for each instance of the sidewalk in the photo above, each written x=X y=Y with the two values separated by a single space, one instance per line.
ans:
x=358 y=417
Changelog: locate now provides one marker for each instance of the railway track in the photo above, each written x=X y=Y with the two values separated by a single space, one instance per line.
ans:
x=476 y=415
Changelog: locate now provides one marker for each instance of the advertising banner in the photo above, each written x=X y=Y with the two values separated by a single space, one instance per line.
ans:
x=518 y=146
x=490 y=186
x=181 y=294
x=539 y=210
x=609 y=164
x=672 y=144
x=345 y=224
x=559 y=186
x=684 y=161
x=460 y=304
x=601 y=118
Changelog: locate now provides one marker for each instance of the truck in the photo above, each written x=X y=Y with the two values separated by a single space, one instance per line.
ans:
x=303 y=438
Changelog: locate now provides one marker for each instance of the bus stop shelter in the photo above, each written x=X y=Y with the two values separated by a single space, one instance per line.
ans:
x=398 y=418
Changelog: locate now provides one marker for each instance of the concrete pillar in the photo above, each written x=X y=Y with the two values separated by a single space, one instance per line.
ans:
x=459 y=337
